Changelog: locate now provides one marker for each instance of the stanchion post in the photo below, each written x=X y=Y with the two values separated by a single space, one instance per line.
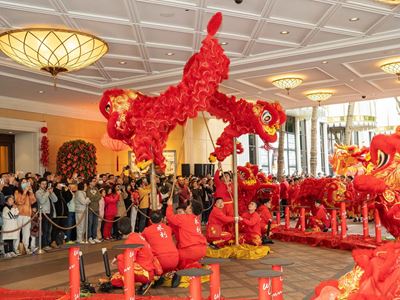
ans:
x=278 y=215
x=343 y=231
x=303 y=219
x=87 y=224
x=365 y=219
x=265 y=282
x=287 y=217
x=277 y=282
x=334 y=223
x=378 y=227
x=74 y=278
x=40 y=251
x=129 y=276
x=215 y=285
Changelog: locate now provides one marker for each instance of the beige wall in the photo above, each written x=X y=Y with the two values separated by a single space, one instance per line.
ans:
x=62 y=129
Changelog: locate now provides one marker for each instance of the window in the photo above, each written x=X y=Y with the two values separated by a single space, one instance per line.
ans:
x=303 y=146
x=252 y=149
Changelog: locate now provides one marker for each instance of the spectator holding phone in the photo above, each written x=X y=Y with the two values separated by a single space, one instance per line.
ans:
x=24 y=198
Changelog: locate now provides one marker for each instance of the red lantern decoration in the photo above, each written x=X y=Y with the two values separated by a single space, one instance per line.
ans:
x=44 y=130
x=44 y=148
x=114 y=145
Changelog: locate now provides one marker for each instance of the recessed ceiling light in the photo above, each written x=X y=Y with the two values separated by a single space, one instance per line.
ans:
x=41 y=92
x=122 y=62
x=259 y=93
x=10 y=132
x=224 y=43
x=325 y=62
x=351 y=80
x=170 y=53
x=284 y=32
x=354 y=19
x=186 y=9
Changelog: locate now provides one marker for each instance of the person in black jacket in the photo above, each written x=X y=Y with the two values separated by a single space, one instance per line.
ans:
x=57 y=234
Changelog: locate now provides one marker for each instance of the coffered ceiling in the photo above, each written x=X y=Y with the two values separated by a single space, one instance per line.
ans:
x=332 y=44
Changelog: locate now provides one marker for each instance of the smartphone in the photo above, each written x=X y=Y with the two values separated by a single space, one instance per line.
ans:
x=49 y=186
x=1 y=181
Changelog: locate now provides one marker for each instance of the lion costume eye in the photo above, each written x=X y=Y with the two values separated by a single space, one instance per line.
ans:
x=266 y=117
x=108 y=107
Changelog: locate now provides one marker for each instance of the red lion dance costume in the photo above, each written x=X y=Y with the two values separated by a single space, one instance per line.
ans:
x=144 y=122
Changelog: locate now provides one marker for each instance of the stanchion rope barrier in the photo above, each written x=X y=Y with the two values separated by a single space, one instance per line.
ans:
x=20 y=227
x=66 y=228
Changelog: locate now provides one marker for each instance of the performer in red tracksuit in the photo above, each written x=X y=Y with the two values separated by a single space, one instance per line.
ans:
x=192 y=243
x=251 y=229
x=320 y=218
x=224 y=190
x=264 y=211
x=216 y=221
x=180 y=210
x=145 y=265
x=159 y=236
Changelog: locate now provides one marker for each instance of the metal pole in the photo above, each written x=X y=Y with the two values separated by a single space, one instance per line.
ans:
x=235 y=192
x=154 y=204
x=87 y=224
x=40 y=251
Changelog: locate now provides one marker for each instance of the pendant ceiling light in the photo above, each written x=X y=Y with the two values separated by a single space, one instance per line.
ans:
x=287 y=83
x=319 y=96
x=52 y=50
x=392 y=68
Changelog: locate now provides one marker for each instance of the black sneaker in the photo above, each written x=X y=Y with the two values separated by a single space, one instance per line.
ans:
x=176 y=280
x=213 y=246
x=144 y=288
x=266 y=240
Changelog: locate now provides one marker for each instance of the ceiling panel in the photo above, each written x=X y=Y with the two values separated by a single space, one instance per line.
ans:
x=342 y=16
x=327 y=37
x=168 y=15
x=307 y=11
x=157 y=66
x=167 y=37
x=110 y=9
x=390 y=83
x=389 y=24
x=107 y=30
x=33 y=3
x=252 y=6
x=20 y=18
x=124 y=50
x=273 y=31
x=123 y=64
x=262 y=48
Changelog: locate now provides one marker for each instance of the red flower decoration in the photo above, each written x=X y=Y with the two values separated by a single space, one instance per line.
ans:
x=43 y=130
x=44 y=148
x=77 y=156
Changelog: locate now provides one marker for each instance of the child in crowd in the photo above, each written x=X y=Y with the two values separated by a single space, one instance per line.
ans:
x=34 y=229
x=10 y=225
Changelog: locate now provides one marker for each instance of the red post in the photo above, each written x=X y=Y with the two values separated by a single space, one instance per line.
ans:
x=215 y=287
x=129 y=276
x=287 y=217
x=303 y=219
x=195 y=288
x=343 y=232
x=277 y=284
x=333 y=223
x=378 y=229
x=278 y=216
x=365 y=219
x=264 y=289
x=74 y=276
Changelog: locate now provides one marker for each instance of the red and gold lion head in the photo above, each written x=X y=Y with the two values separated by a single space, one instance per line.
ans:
x=269 y=118
x=115 y=107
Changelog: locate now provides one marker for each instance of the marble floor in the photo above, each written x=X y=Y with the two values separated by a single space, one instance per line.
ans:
x=311 y=265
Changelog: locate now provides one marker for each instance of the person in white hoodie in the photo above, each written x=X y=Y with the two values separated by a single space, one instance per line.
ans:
x=10 y=223
x=81 y=201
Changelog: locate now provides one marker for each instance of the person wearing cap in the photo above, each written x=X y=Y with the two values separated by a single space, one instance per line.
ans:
x=250 y=226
